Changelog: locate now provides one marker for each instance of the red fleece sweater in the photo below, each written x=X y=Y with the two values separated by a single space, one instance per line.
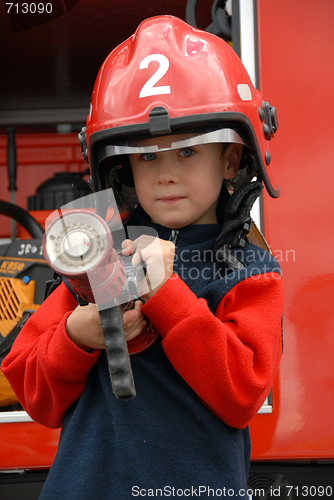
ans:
x=229 y=359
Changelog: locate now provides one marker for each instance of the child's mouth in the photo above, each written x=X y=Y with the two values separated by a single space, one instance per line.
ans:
x=171 y=199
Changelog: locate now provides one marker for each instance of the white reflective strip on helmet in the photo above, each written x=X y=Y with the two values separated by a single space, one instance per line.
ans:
x=225 y=135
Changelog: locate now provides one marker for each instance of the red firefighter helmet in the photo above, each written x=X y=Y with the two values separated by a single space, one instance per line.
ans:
x=170 y=78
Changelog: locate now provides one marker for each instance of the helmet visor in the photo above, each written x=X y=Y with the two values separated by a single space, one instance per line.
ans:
x=225 y=135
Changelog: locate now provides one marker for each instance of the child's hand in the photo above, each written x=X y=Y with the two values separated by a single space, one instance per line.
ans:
x=159 y=258
x=83 y=326
x=134 y=321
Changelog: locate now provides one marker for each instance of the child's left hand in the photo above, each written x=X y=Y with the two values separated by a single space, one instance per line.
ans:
x=134 y=321
x=159 y=258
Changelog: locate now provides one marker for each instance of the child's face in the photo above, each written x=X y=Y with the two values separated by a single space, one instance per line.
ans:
x=181 y=187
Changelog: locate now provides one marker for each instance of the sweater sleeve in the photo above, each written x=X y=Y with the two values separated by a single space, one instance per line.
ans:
x=46 y=370
x=229 y=359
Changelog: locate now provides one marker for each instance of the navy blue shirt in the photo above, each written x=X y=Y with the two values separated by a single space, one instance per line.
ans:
x=164 y=442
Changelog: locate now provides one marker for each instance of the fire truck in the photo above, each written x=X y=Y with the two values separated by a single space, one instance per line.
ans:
x=51 y=53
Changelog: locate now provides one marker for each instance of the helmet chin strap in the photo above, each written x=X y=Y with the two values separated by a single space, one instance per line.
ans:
x=237 y=223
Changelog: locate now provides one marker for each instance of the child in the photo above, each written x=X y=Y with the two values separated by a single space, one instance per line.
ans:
x=175 y=126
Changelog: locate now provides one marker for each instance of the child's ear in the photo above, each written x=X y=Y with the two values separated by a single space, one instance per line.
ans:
x=232 y=156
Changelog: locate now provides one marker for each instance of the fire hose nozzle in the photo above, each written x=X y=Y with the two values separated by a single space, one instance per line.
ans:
x=79 y=247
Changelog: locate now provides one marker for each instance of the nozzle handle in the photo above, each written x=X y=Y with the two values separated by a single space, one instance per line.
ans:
x=118 y=358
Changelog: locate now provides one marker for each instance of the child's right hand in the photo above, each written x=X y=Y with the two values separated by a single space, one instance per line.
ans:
x=83 y=326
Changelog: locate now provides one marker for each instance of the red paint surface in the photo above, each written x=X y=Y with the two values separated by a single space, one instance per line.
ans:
x=296 y=41
x=27 y=446
x=39 y=157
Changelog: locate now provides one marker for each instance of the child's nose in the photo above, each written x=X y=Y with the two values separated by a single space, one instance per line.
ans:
x=167 y=172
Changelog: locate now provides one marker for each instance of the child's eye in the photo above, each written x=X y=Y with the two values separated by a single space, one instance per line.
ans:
x=148 y=157
x=186 y=152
